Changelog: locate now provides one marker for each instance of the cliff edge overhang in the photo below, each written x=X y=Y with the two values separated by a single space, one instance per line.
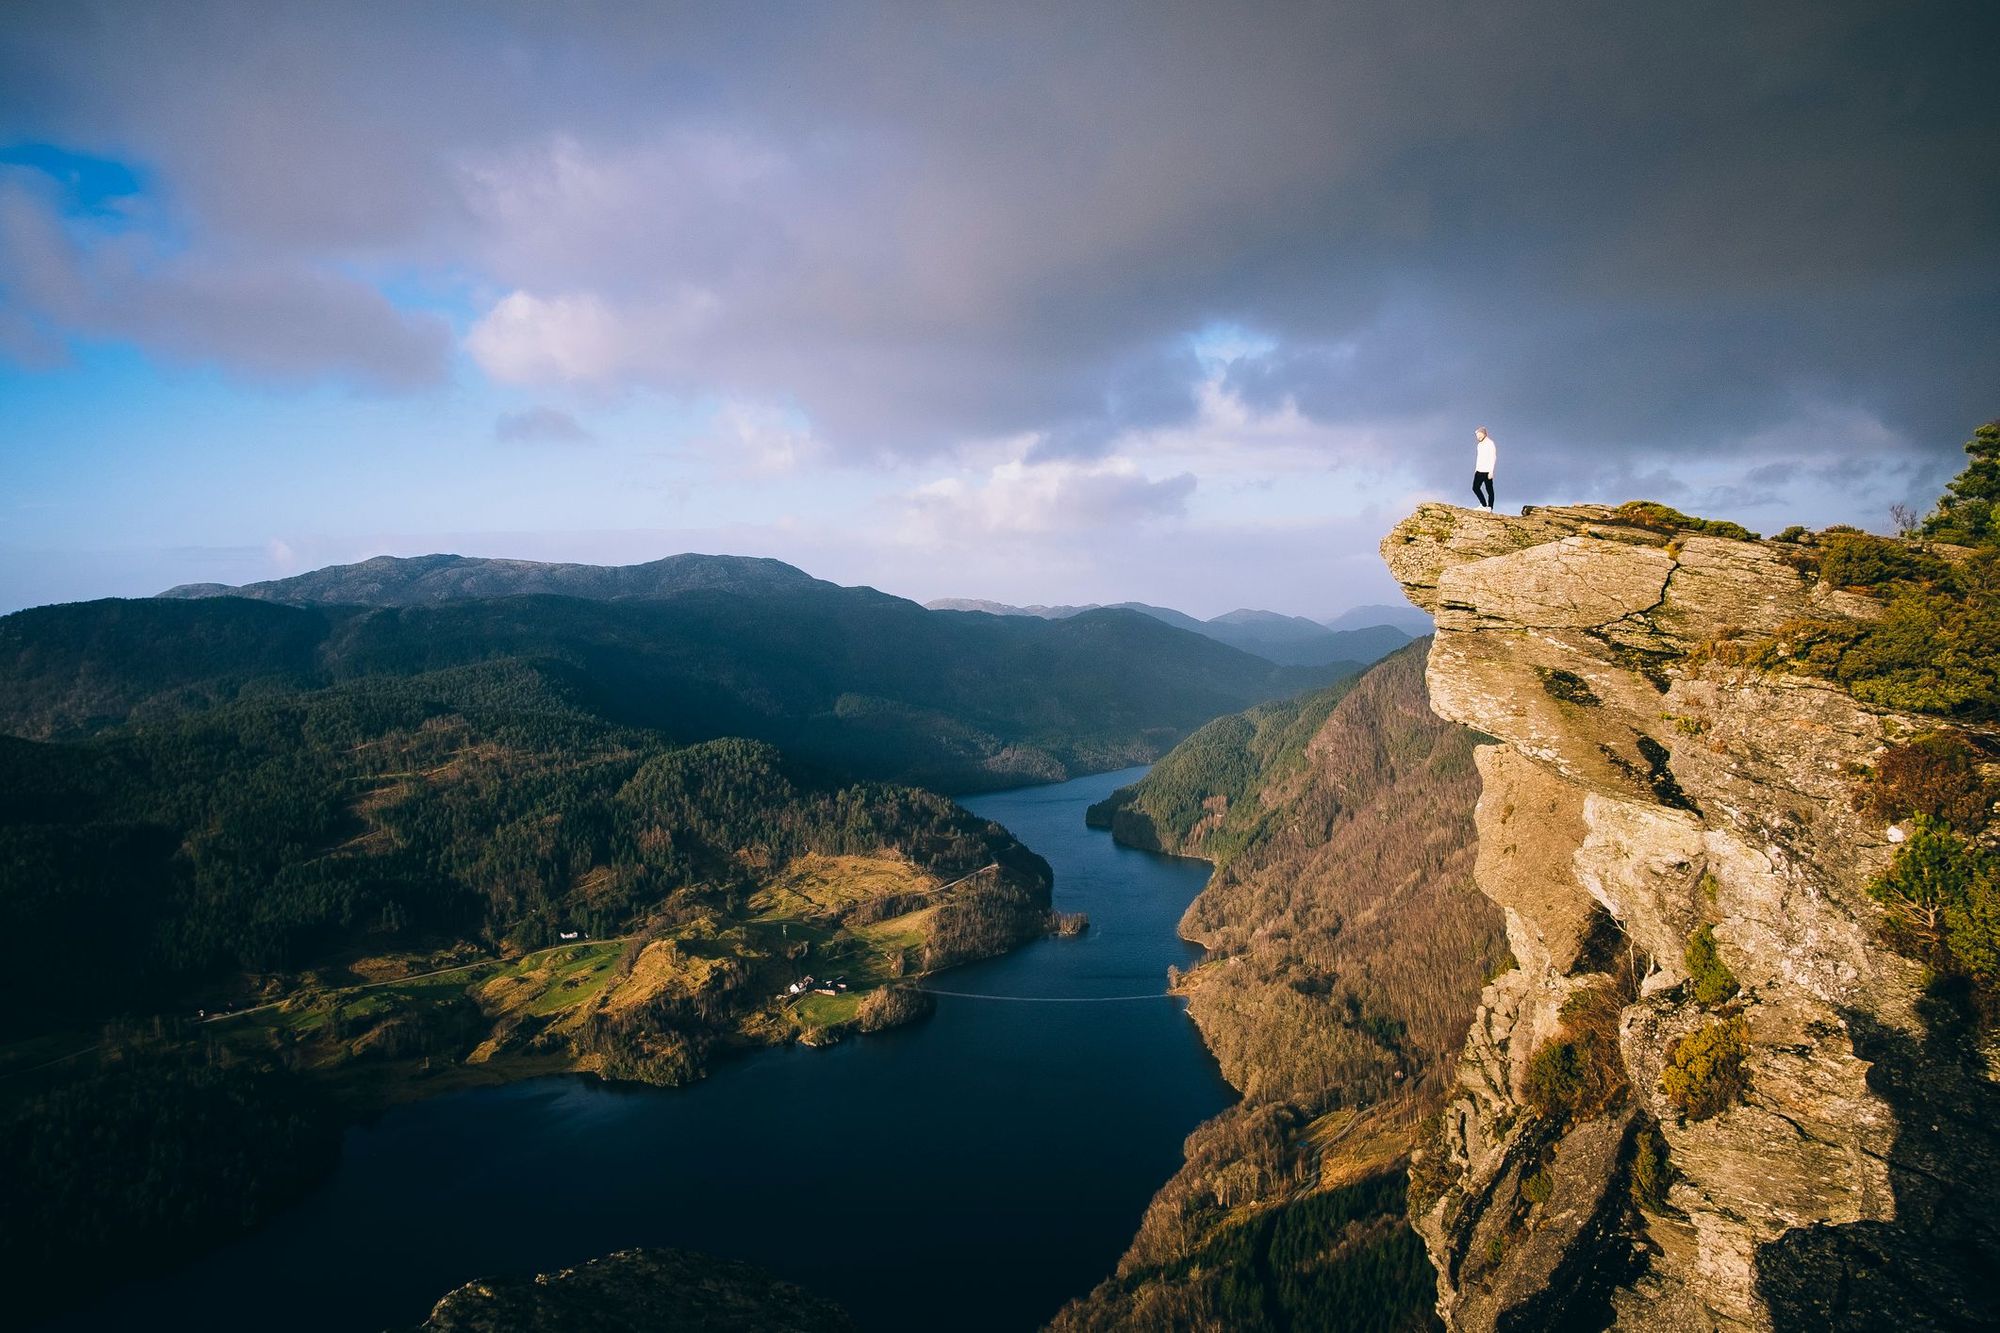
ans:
x=1806 y=1145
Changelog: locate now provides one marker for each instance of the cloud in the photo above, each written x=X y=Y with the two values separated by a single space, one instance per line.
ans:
x=259 y=317
x=1623 y=235
x=754 y=439
x=1026 y=498
x=538 y=425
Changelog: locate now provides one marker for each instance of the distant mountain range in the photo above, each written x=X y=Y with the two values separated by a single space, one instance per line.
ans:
x=693 y=646
x=1289 y=640
x=1405 y=617
x=1363 y=635
x=417 y=580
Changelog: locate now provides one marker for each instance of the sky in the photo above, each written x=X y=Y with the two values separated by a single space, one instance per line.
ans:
x=1181 y=303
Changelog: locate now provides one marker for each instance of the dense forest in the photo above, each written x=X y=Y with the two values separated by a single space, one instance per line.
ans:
x=263 y=836
x=146 y=1160
x=1346 y=946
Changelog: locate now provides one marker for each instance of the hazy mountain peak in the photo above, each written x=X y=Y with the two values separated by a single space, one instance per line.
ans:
x=1403 y=616
x=1272 y=635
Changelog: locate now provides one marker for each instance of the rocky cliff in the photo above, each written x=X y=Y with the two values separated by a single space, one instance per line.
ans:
x=1710 y=1095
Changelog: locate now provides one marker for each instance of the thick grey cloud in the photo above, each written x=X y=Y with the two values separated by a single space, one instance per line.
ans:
x=1627 y=236
x=271 y=318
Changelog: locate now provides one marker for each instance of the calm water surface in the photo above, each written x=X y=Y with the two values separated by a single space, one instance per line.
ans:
x=972 y=1172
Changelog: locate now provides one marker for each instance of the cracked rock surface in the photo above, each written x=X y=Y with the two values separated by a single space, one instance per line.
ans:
x=1633 y=797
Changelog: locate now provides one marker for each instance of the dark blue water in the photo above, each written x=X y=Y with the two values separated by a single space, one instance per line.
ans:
x=972 y=1172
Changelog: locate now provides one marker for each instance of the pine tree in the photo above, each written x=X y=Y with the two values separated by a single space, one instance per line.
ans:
x=1965 y=512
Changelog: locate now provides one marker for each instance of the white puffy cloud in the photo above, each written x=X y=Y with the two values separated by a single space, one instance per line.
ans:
x=527 y=339
x=1023 y=498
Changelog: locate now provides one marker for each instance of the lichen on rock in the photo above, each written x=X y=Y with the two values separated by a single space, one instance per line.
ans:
x=1819 y=1133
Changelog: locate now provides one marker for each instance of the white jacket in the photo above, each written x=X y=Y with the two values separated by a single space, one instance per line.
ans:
x=1487 y=455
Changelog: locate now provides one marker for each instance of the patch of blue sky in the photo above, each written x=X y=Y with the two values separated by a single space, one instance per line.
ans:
x=453 y=292
x=89 y=185
x=1216 y=345
x=115 y=447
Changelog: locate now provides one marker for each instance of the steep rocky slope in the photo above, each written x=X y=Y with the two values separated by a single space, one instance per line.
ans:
x=1345 y=948
x=1710 y=1095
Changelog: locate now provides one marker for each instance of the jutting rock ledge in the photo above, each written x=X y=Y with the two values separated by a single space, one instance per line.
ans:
x=1808 y=1142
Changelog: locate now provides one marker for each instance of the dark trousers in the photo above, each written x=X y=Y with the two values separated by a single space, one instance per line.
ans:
x=1482 y=488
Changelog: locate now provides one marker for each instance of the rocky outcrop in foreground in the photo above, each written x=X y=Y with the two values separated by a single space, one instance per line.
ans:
x=1709 y=1095
x=639 y=1291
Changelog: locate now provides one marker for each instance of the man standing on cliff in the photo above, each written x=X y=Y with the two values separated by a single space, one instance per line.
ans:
x=1482 y=468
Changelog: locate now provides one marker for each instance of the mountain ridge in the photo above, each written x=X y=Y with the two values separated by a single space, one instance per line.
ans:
x=387 y=580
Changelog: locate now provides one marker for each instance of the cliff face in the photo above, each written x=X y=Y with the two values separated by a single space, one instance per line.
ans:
x=1828 y=1129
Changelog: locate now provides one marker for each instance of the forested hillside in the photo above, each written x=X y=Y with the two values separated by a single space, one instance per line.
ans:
x=866 y=683
x=1346 y=945
x=264 y=836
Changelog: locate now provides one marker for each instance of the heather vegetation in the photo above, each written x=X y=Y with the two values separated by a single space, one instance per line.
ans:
x=1704 y=1074
x=1938 y=775
x=1657 y=517
x=1347 y=946
x=1709 y=979
x=1934 y=647
x=1578 y=1073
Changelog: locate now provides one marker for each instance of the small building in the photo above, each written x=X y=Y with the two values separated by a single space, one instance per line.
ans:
x=567 y=935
